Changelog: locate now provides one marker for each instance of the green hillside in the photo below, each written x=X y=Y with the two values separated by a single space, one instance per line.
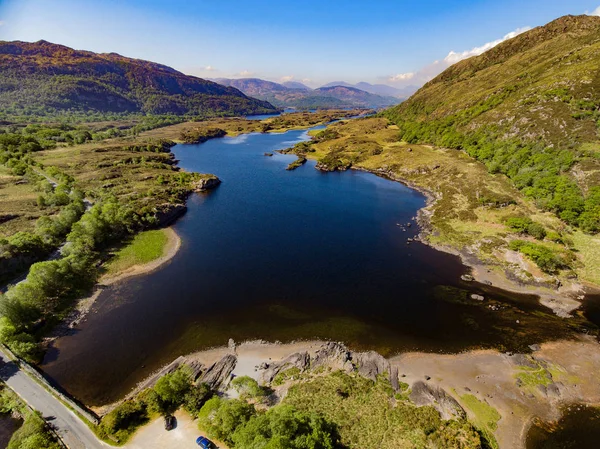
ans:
x=42 y=78
x=528 y=108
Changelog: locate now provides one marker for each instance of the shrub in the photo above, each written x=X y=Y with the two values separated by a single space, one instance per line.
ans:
x=247 y=387
x=219 y=418
x=548 y=260
x=536 y=230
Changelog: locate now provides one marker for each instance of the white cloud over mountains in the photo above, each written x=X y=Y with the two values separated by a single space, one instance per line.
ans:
x=595 y=12
x=430 y=71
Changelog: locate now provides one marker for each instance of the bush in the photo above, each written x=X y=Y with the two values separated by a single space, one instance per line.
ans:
x=537 y=231
x=284 y=427
x=125 y=419
x=548 y=260
x=248 y=388
x=219 y=418
x=33 y=434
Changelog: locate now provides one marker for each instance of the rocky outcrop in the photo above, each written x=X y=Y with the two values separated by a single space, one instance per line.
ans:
x=333 y=355
x=300 y=360
x=424 y=394
x=371 y=365
x=168 y=213
x=210 y=182
x=219 y=373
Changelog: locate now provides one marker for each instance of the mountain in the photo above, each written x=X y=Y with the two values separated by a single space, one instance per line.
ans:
x=295 y=85
x=301 y=98
x=43 y=78
x=378 y=89
x=528 y=108
x=253 y=86
x=356 y=96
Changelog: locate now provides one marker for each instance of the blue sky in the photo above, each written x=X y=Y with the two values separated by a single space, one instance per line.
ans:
x=394 y=42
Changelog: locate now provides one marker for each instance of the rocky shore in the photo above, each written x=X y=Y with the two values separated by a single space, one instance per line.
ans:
x=520 y=387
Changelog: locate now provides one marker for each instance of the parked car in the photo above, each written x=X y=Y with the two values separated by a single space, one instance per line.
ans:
x=204 y=443
x=169 y=422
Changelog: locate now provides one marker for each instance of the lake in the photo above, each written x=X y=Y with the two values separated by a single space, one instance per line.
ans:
x=283 y=255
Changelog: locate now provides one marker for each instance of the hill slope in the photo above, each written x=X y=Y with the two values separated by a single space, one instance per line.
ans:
x=304 y=98
x=529 y=108
x=43 y=78
x=356 y=96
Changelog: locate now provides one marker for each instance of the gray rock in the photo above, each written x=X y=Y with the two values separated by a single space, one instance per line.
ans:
x=477 y=297
x=219 y=373
x=206 y=183
x=334 y=355
x=168 y=213
x=535 y=347
x=467 y=278
x=300 y=360
x=424 y=394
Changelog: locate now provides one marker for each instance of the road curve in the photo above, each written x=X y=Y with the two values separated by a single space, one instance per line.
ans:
x=73 y=432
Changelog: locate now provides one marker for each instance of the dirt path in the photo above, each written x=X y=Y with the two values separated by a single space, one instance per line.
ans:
x=154 y=435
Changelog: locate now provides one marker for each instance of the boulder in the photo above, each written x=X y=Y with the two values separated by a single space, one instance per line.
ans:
x=424 y=394
x=206 y=184
x=168 y=213
x=300 y=360
x=477 y=297
x=333 y=355
x=219 y=374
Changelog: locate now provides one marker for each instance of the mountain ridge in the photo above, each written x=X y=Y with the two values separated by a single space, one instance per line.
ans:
x=41 y=77
x=528 y=108
x=322 y=97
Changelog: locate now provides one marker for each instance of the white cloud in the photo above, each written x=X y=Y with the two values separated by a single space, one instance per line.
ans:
x=595 y=12
x=245 y=73
x=210 y=68
x=453 y=57
x=430 y=71
x=287 y=78
x=402 y=77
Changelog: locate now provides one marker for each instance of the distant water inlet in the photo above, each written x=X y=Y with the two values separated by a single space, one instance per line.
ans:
x=285 y=255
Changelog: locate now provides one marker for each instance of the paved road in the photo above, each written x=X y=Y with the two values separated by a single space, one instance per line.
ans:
x=74 y=433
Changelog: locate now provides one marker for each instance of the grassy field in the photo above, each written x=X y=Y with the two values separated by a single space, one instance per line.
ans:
x=18 y=206
x=143 y=248
x=484 y=417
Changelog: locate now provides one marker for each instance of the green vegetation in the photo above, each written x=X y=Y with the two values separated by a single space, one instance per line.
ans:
x=526 y=225
x=172 y=391
x=547 y=259
x=199 y=135
x=143 y=248
x=526 y=109
x=248 y=388
x=240 y=425
x=297 y=163
x=33 y=433
x=485 y=418
x=109 y=83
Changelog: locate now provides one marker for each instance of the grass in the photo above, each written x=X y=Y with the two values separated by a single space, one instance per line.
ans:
x=367 y=415
x=483 y=416
x=17 y=200
x=534 y=377
x=144 y=247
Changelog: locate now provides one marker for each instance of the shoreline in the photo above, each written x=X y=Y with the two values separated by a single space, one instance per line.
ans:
x=560 y=301
x=84 y=305
x=489 y=375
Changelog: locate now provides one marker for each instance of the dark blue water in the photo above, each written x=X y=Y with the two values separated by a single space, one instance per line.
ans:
x=284 y=255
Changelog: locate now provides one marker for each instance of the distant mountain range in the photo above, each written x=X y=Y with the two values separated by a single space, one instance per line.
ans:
x=43 y=78
x=378 y=89
x=297 y=95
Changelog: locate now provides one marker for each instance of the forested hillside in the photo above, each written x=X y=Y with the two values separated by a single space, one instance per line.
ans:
x=42 y=78
x=528 y=108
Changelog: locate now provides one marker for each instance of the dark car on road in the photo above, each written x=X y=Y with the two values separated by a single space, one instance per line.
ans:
x=204 y=443
x=169 y=422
